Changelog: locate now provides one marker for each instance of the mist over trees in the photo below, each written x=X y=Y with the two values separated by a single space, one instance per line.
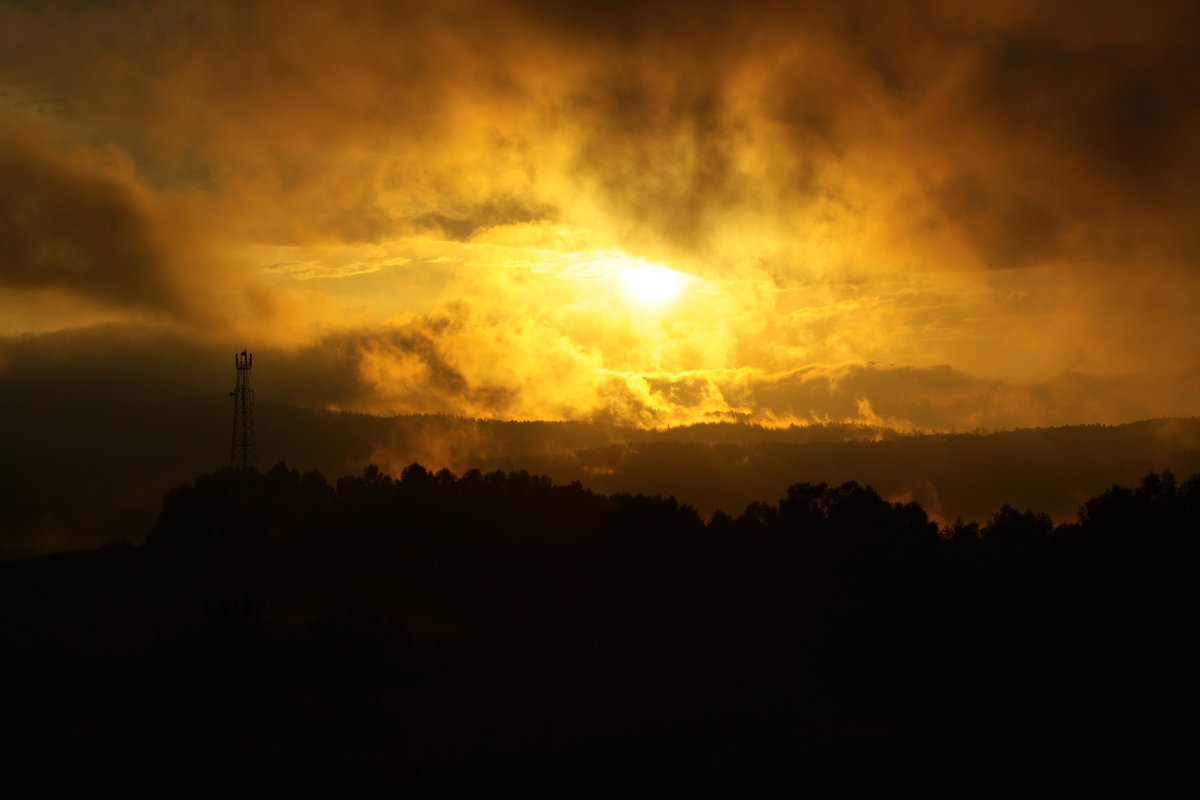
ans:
x=830 y=639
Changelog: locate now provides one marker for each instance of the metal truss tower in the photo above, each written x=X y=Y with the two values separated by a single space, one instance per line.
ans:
x=242 y=453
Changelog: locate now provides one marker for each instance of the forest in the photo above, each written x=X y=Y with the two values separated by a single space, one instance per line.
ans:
x=438 y=633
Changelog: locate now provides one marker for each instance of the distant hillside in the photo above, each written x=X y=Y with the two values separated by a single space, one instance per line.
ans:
x=59 y=495
x=1050 y=469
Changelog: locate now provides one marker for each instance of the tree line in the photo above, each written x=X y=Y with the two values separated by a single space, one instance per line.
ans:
x=834 y=581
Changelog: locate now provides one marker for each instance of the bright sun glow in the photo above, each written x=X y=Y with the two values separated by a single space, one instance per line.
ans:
x=651 y=284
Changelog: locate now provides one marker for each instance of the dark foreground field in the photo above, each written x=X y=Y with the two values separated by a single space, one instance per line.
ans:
x=443 y=635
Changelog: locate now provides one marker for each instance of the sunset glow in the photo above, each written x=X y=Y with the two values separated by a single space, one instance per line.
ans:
x=940 y=214
x=628 y=397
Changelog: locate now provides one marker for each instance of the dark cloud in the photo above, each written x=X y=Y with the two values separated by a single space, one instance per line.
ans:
x=1084 y=117
x=140 y=366
x=503 y=210
x=1010 y=231
x=676 y=120
x=73 y=227
x=1119 y=102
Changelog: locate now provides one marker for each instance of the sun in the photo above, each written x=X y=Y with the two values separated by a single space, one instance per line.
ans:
x=651 y=284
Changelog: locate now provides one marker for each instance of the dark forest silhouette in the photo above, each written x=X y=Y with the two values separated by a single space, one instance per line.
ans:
x=452 y=633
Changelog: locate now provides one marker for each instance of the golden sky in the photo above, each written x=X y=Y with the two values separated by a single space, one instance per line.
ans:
x=934 y=215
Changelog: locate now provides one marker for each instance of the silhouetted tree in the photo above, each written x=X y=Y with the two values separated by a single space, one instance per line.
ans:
x=1017 y=530
x=226 y=668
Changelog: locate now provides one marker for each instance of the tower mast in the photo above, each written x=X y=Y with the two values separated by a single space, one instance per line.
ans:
x=242 y=453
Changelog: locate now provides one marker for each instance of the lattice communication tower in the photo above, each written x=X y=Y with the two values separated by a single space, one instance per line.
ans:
x=242 y=453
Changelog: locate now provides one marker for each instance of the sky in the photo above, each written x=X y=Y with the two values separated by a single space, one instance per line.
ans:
x=925 y=215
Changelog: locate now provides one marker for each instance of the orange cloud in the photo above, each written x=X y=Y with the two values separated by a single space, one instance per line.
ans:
x=1002 y=192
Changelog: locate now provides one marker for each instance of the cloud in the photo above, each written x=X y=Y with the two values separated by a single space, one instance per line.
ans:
x=438 y=365
x=677 y=127
x=80 y=225
x=867 y=195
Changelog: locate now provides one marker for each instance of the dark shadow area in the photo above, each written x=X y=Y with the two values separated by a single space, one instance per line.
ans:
x=441 y=634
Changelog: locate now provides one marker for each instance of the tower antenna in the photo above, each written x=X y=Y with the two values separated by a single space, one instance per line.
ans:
x=242 y=453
